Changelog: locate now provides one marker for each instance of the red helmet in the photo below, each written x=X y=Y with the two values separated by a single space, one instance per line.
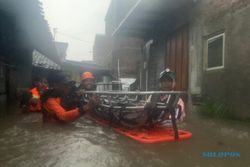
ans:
x=87 y=75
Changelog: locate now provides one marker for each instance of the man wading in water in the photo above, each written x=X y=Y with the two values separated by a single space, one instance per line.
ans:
x=52 y=108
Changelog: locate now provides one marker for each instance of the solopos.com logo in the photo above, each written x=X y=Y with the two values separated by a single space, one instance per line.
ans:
x=220 y=154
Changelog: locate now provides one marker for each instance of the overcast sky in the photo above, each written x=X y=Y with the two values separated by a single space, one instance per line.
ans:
x=77 y=22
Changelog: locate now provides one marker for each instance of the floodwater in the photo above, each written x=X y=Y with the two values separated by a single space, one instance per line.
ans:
x=26 y=141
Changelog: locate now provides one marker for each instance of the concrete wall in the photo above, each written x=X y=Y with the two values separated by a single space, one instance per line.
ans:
x=2 y=83
x=128 y=51
x=230 y=84
x=17 y=76
x=16 y=58
x=24 y=69
x=195 y=58
x=102 y=50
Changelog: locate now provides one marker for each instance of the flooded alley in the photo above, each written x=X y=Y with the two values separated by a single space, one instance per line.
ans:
x=136 y=66
x=26 y=141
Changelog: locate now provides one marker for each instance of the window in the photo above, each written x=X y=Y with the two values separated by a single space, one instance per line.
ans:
x=215 y=52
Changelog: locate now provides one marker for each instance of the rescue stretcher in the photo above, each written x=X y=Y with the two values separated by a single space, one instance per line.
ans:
x=132 y=114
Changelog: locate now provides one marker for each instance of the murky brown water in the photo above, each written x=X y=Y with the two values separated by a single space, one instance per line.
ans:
x=26 y=141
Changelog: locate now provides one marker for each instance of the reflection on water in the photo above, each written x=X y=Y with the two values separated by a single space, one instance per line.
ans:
x=26 y=141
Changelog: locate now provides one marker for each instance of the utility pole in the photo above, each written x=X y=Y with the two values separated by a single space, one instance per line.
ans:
x=118 y=69
x=54 y=33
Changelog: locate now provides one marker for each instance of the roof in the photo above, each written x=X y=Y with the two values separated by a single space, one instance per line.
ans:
x=85 y=66
x=118 y=9
x=39 y=60
x=33 y=30
x=146 y=17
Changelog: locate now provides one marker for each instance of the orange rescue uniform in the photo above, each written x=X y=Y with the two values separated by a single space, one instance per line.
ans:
x=35 y=101
x=53 y=112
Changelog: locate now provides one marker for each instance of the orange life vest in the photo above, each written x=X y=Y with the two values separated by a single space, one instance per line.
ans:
x=35 y=102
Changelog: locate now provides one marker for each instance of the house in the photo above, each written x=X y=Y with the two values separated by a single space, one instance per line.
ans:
x=75 y=68
x=119 y=53
x=61 y=48
x=23 y=33
x=42 y=66
x=205 y=42
x=101 y=50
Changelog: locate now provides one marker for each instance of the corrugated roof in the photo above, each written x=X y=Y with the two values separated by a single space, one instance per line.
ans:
x=39 y=60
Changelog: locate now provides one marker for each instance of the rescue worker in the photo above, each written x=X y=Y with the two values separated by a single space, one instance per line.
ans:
x=53 y=110
x=35 y=101
x=87 y=82
x=30 y=99
x=44 y=84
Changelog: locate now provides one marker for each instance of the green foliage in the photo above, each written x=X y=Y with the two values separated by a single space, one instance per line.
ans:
x=215 y=108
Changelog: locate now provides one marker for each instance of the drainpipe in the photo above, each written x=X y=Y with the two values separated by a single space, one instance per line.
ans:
x=54 y=33
x=140 y=80
x=147 y=54
x=147 y=80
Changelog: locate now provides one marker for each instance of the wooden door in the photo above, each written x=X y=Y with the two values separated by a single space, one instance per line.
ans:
x=177 y=56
